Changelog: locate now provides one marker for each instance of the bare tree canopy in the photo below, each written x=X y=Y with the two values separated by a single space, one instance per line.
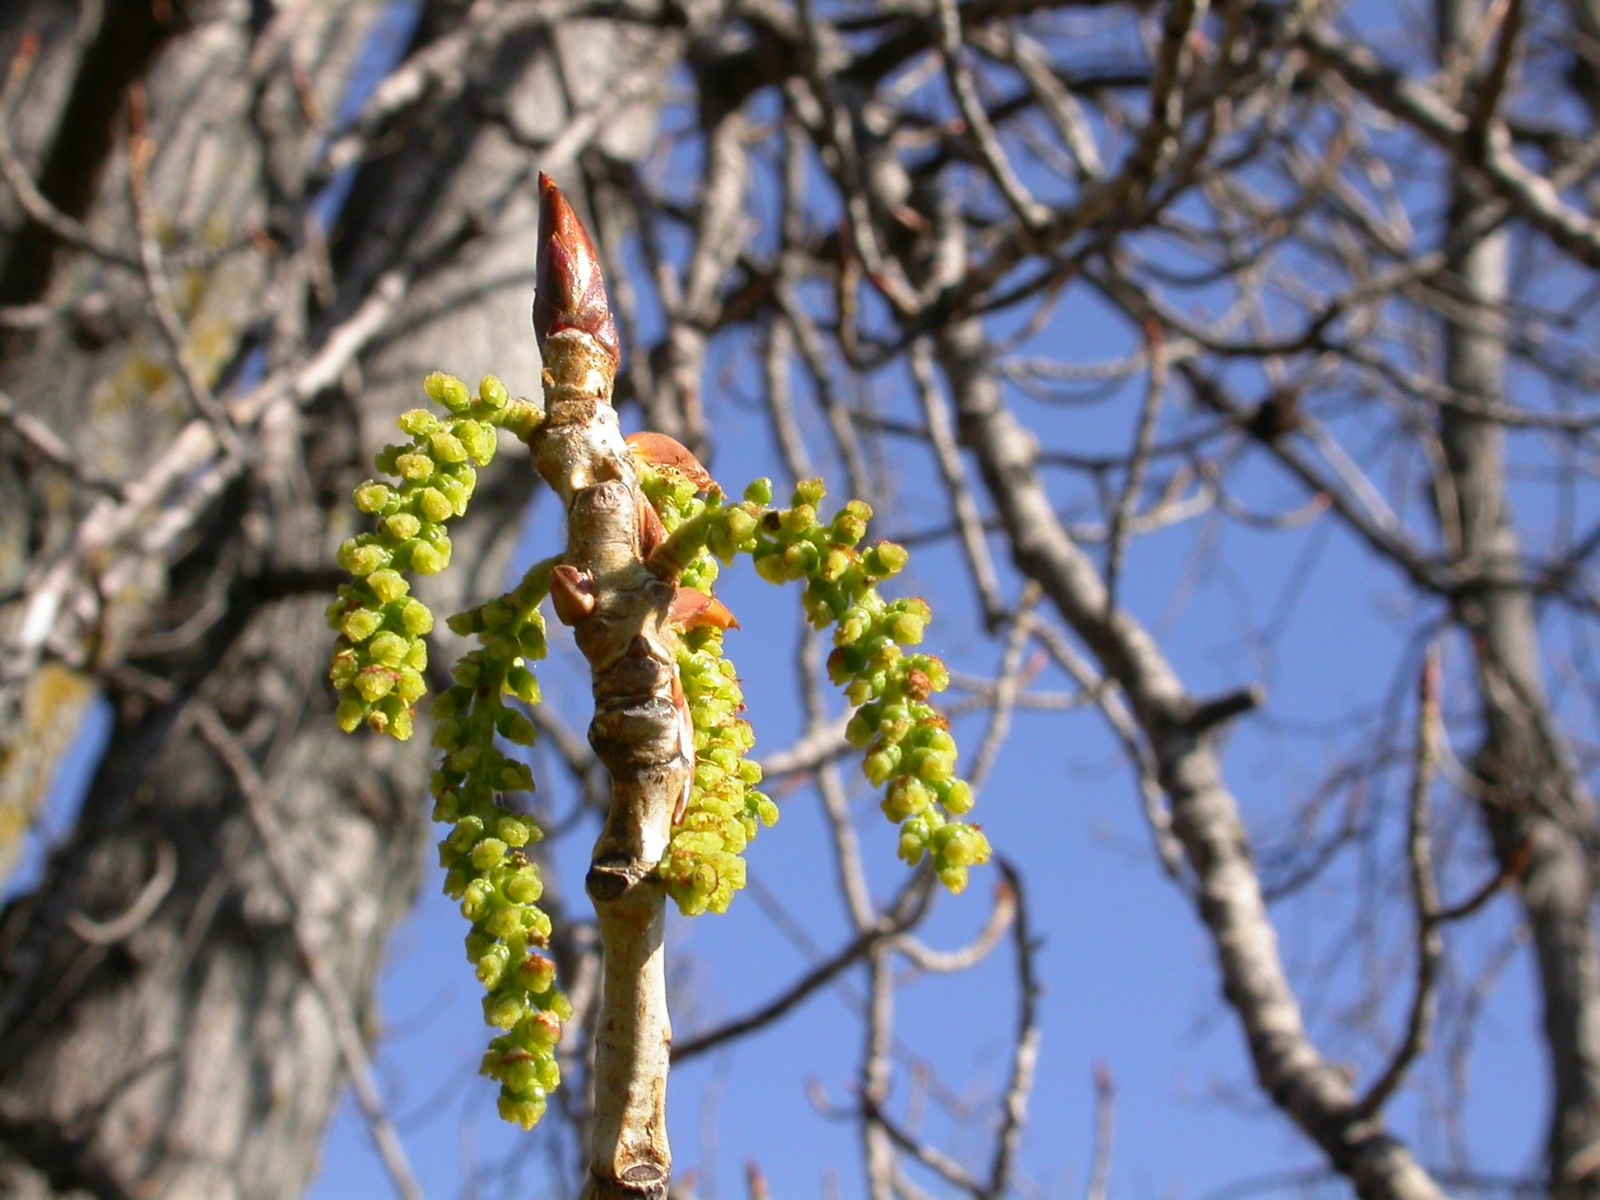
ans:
x=1197 y=348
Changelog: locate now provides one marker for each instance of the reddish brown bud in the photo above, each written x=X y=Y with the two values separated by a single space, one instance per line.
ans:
x=696 y=610
x=652 y=533
x=570 y=292
x=659 y=450
x=571 y=594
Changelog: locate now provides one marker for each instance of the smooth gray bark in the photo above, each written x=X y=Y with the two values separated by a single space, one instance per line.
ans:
x=1536 y=808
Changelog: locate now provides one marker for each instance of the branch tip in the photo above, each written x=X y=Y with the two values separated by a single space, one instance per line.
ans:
x=571 y=294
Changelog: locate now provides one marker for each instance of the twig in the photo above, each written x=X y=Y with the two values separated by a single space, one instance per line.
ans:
x=43 y=441
x=1105 y=1124
x=123 y=926
x=1025 y=1054
x=151 y=263
x=908 y=909
x=1424 y=894
x=941 y=435
x=253 y=788
x=1008 y=683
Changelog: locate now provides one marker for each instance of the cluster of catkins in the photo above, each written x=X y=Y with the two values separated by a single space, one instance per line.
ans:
x=377 y=671
x=380 y=656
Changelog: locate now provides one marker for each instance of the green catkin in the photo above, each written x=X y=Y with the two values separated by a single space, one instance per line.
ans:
x=905 y=741
x=702 y=867
x=377 y=671
x=380 y=656
x=484 y=855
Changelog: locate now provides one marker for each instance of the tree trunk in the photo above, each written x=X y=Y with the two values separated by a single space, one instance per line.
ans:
x=1535 y=806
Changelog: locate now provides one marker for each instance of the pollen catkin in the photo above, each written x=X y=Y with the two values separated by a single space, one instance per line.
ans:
x=484 y=855
x=377 y=670
x=702 y=867
x=380 y=656
x=906 y=743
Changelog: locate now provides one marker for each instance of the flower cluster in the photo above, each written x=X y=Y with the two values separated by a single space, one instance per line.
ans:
x=485 y=853
x=907 y=742
x=702 y=868
x=380 y=655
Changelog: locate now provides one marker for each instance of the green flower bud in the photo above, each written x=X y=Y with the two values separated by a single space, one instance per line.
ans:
x=402 y=525
x=448 y=391
x=492 y=392
x=885 y=560
x=415 y=618
x=434 y=506
x=388 y=586
x=418 y=422
x=350 y=713
x=478 y=441
x=525 y=887
x=809 y=492
x=759 y=492
x=371 y=497
x=360 y=559
x=425 y=560
x=447 y=448
x=881 y=765
x=414 y=468
x=361 y=624
x=525 y=1113
x=959 y=798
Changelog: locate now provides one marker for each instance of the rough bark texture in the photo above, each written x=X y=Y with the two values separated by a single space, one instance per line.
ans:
x=191 y=1055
